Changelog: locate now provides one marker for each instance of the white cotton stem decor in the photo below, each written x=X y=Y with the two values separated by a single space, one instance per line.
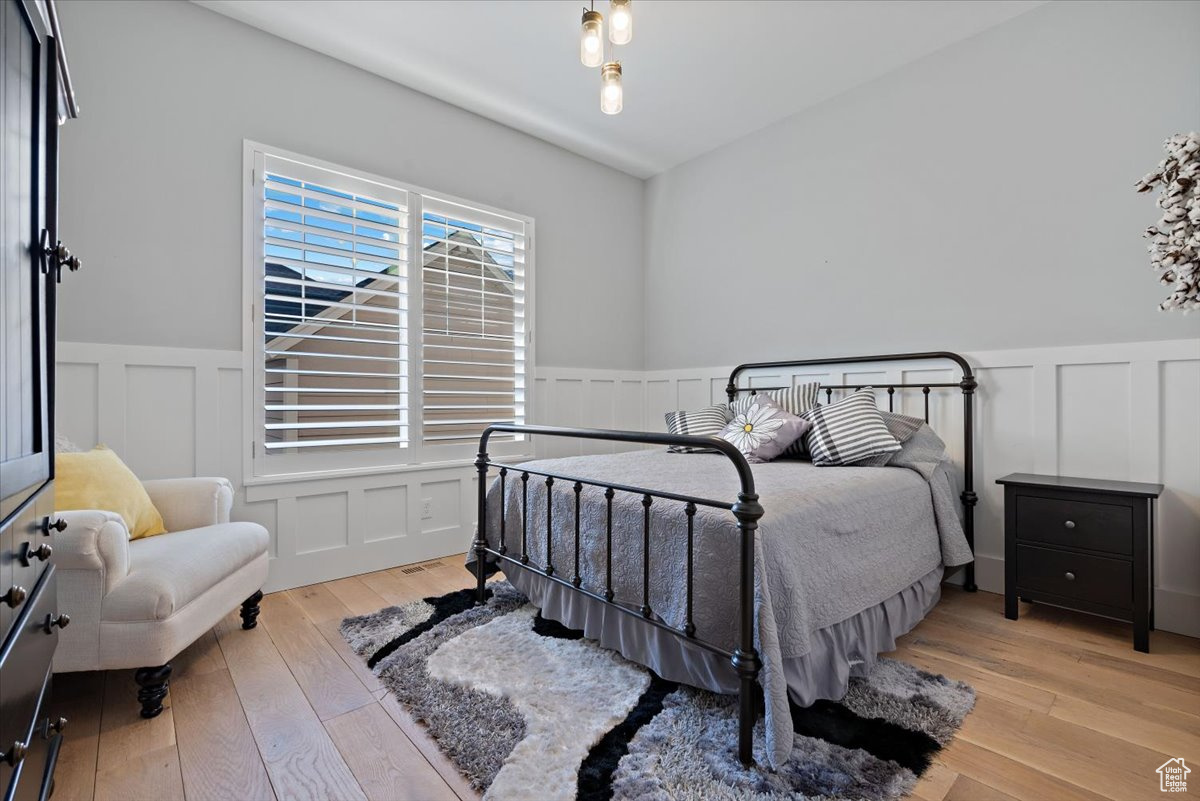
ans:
x=1175 y=239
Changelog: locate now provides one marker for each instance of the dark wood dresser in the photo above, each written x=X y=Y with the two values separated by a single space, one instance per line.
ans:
x=1081 y=543
x=35 y=97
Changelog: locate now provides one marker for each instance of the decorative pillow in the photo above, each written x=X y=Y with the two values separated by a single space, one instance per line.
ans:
x=98 y=479
x=707 y=422
x=764 y=430
x=848 y=431
x=796 y=400
x=900 y=426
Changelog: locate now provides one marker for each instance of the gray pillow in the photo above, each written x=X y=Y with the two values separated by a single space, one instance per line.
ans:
x=923 y=452
x=764 y=429
x=900 y=426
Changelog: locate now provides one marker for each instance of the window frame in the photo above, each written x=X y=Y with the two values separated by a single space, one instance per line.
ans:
x=261 y=467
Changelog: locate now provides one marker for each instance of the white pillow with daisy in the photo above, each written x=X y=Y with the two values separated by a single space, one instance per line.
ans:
x=764 y=429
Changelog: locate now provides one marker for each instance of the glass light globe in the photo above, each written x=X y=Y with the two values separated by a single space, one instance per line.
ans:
x=611 y=92
x=620 y=21
x=591 y=39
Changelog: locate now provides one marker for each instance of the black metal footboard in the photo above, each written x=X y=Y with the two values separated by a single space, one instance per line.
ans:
x=746 y=509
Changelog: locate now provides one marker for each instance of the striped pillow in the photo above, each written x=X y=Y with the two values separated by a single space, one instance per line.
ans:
x=848 y=431
x=707 y=422
x=797 y=400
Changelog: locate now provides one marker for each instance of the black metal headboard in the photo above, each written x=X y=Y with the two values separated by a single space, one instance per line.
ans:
x=967 y=386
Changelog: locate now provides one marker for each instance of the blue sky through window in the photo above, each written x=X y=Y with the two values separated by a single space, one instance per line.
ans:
x=384 y=228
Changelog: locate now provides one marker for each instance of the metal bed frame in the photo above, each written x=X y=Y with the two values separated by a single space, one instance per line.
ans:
x=746 y=509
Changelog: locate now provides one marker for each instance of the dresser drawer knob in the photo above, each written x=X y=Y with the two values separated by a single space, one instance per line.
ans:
x=1069 y=576
x=58 y=525
x=29 y=553
x=1069 y=524
x=14 y=755
x=60 y=620
x=15 y=596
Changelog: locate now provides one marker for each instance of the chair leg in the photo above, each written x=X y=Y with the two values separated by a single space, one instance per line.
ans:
x=250 y=610
x=152 y=688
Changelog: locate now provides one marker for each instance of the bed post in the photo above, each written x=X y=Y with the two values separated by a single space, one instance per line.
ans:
x=745 y=659
x=969 y=498
x=481 y=465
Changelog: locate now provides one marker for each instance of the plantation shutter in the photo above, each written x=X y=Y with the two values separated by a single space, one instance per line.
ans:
x=335 y=311
x=473 y=321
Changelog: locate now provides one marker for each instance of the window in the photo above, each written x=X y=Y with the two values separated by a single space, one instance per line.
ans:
x=472 y=321
x=362 y=360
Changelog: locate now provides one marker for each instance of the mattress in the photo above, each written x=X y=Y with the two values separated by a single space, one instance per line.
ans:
x=832 y=543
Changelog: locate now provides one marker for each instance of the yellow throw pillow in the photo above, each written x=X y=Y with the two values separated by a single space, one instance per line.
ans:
x=98 y=479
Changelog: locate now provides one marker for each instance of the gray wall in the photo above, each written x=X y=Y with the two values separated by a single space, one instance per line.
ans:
x=152 y=180
x=980 y=198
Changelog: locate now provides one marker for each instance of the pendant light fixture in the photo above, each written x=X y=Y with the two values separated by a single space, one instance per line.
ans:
x=592 y=49
x=612 y=94
x=620 y=21
x=591 y=39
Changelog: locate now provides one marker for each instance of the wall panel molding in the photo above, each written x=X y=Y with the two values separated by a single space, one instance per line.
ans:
x=1130 y=413
x=1101 y=411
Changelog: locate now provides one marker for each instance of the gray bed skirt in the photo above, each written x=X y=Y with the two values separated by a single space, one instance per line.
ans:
x=838 y=652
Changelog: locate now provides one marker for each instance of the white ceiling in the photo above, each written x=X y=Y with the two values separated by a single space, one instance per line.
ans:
x=697 y=74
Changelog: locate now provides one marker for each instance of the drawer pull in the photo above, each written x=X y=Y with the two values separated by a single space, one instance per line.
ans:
x=55 y=726
x=1069 y=524
x=1069 y=576
x=58 y=525
x=15 y=596
x=60 y=620
x=14 y=755
x=29 y=553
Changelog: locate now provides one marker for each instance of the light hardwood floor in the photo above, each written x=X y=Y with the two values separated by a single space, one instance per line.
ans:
x=1066 y=709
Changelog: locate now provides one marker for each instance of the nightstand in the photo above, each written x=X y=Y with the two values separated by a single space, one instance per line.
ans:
x=1081 y=543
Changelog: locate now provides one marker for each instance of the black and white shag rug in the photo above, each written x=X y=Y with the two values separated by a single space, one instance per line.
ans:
x=529 y=710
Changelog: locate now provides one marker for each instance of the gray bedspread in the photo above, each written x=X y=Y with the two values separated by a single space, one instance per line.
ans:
x=833 y=541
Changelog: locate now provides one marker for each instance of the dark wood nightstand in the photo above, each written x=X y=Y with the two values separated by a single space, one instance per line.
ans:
x=1081 y=543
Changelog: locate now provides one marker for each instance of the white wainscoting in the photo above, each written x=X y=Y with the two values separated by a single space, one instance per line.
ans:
x=179 y=412
x=1125 y=411
x=1128 y=411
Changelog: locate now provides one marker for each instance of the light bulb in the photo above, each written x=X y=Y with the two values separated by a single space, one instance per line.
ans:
x=591 y=42
x=620 y=23
x=611 y=93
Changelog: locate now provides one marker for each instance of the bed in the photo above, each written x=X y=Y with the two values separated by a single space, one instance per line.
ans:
x=724 y=575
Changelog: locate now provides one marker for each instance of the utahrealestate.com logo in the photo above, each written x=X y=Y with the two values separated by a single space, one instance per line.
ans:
x=1172 y=776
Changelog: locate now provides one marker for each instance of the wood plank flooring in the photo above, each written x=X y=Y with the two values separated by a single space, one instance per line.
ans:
x=1066 y=710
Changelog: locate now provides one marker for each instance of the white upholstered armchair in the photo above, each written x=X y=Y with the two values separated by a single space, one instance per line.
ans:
x=138 y=604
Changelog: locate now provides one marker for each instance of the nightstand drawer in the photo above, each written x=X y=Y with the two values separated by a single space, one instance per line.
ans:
x=1076 y=524
x=1096 y=579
